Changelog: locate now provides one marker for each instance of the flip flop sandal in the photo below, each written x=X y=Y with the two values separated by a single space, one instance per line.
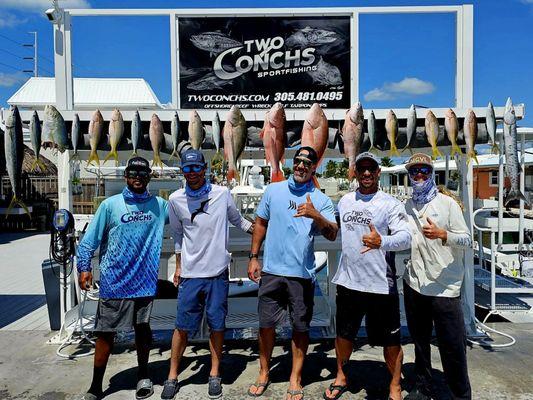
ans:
x=296 y=393
x=145 y=388
x=170 y=389
x=340 y=388
x=263 y=385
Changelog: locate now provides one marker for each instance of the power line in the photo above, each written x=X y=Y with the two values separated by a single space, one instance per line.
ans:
x=11 y=40
x=44 y=69
x=10 y=66
x=12 y=54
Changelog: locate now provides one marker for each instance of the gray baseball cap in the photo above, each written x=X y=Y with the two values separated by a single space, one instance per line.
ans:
x=367 y=156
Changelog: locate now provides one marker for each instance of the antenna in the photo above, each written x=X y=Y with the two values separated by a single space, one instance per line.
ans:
x=34 y=58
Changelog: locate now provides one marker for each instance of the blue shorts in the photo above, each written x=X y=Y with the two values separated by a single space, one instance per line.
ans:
x=197 y=294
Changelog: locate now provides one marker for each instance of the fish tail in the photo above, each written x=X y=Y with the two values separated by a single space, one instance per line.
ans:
x=74 y=156
x=13 y=203
x=408 y=147
x=436 y=153
x=373 y=150
x=471 y=155
x=393 y=150
x=134 y=154
x=93 y=157
x=455 y=150
x=315 y=181
x=351 y=172
x=113 y=154
x=38 y=163
x=173 y=155
x=278 y=176
x=515 y=194
x=495 y=149
x=157 y=161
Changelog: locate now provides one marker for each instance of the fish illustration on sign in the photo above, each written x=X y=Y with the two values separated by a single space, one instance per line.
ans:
x=209 y=82
x=214 y=42
x=326 y=74
x=310 y=37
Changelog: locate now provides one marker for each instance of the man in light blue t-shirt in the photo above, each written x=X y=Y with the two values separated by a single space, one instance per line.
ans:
x=290 y=214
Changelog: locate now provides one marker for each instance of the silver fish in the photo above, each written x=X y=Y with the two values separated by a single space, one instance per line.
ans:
x=35 y=136
x=136 y=132
x=54 y=133
x=96 y=127
x=208 y=82
x=372 y=130
x=216 y=131
x=187 y=72
x=310 y=37
x=326 y=74
x=512 y=164
x=214 y=42
x=116 y=130
x=490 y=122
x=75 y=135
x=411 y=128
x=175 y=134
x=196 y=130
x=14 y=153
x=157 y=139
x=352 y=133
x=470 y=132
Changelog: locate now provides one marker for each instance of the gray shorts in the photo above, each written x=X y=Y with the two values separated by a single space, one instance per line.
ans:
x=279 y=293
x=114 y=315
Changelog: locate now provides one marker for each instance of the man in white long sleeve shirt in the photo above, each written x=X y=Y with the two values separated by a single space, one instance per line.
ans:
x=372 y=224
x=199 y=218
x=433 y=279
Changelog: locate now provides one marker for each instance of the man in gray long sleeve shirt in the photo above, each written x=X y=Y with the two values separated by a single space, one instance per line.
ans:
x=372 y=224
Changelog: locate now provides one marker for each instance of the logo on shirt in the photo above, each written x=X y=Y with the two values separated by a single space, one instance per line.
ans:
x=135 y=216
x=357 y=217
x=292 y=205
x=200 y=210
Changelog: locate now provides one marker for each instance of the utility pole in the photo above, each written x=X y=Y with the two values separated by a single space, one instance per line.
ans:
x=34 y=58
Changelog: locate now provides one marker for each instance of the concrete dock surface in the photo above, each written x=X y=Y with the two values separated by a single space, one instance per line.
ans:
x=30 y=369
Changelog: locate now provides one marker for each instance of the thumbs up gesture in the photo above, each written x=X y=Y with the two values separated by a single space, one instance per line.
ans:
x=371 y=240
x=306 y=209
x=433 y=231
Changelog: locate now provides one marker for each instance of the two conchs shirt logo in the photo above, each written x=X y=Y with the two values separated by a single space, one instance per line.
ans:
x=356 y=218
x=136 y=216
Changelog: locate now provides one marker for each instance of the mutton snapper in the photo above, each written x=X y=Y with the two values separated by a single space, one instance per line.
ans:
x=274 y=140
x=116 y=130
x=196 y=130
x=431 y=124
x=234 y=140
x=470 y=132
x=157 y=139
x=96 y=127
x=352 y=134
x=315 y=133
x=451 y=125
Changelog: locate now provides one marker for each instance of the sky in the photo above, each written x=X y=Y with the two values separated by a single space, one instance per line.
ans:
x=404 y=59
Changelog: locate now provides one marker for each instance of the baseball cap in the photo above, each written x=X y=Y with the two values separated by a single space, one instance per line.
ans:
x=192 y=157
x=138 y=164
x=367 y=156
x=311 y=154
x=419 y=158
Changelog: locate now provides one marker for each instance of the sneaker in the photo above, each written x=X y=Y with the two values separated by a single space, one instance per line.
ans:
x=417 y=394
x=170 y=389
x=215 y=387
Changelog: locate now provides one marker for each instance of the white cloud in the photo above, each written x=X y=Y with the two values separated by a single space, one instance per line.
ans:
x=527 y=1
x=8 y=20
x=12 y=79
x=405 y=87
x=39 y=6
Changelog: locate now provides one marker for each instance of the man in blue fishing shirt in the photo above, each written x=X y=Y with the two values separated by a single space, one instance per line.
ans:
x=128 y=228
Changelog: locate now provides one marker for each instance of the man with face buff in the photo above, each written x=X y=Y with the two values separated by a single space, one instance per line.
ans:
x=433 y=279
x=373 y=223
x=128 y=228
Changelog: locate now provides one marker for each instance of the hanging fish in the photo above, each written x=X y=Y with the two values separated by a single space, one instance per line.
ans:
x=315 y=133
x=96 y=127
x=35 y=137
x=352 y=134
x=136 y=133
x=54 y=132
x=196 y=130
x=157 y=139
x=432 y=133
x=234 y=140
x=116 y=130
x=217 y=132
x=411 y=128
x=75 y=136
x=451 y=125
x=512 y=164
x=470 y=132
x=175 y=134
x=490 y=122
x=371 y=125
x=14 y=153
x=391 y=126
x=274 y=140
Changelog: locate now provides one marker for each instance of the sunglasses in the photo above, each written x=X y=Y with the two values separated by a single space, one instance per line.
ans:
x=137 y=174
x=419 y=170
x=369 y=168
x=192 y=168
x=307 y=163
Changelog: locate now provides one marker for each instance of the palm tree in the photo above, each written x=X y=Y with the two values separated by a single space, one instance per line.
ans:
x=386 y=162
